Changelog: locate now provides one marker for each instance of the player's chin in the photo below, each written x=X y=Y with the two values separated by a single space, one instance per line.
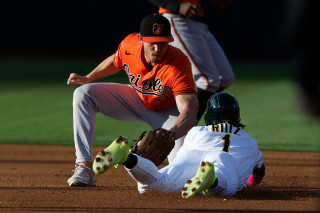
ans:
x=156 y=59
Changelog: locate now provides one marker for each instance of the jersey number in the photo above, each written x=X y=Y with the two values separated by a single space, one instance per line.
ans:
x=226 y=142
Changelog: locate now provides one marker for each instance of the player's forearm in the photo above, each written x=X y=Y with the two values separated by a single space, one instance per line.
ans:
x=172 y=5
x=188 y=108
x=104 y=69
x=184 y=123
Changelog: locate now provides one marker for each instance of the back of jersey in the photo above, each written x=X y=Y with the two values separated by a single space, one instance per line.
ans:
x=229 y=139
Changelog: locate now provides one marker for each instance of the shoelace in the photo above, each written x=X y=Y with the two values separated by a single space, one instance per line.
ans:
x=79 y=168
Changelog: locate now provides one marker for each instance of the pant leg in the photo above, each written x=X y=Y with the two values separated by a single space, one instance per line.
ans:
x=221 y=61
x=226 y=171
x=92 y=98
x=190 y=37
x=169 y=179
x=114 y=100
x=174 y=151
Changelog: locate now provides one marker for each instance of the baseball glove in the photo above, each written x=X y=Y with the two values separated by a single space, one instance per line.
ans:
x=155 y=145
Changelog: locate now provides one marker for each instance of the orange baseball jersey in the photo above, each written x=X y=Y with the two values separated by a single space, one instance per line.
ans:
x=196 y=2
x=158 y=87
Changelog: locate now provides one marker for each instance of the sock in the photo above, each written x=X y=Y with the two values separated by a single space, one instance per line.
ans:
x=131 y=161
x=88 y=164
x=215 y=183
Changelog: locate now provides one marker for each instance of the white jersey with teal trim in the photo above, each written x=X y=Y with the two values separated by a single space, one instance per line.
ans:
x=226 y=138
x=232 y=151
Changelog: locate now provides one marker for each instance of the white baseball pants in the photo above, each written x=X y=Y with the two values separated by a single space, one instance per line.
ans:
x=172 y=178
x=210 y=66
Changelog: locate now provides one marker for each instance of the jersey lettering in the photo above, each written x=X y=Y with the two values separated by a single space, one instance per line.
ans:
x=224 y=127
x=226 y=142
x=148 y=86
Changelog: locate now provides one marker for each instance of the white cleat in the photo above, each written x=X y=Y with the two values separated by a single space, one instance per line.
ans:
x=83 y=176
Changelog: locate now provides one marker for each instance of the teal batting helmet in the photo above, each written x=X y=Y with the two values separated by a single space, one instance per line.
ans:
x=223 y=107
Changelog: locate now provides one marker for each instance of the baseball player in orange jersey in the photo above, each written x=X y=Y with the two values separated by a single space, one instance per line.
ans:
x=211 y=69
x=161 y=92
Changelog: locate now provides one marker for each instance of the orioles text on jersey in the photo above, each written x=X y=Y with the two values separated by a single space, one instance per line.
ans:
x=147 y=87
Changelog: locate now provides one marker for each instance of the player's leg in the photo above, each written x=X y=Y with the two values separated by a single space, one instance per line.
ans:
x=222 y=66
x=171 y=178
x=221 y=61
x=217 y=174
x=117 y=101
x=114 y=100
x=142 y=170
x=190 y=37
x=226 y=171
x=116 y=153
x=204 y=179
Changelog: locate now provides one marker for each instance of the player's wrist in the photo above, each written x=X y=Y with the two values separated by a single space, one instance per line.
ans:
x=87 y=79
x=253 y=180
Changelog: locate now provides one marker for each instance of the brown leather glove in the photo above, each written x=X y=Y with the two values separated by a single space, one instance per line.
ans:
x=155 y=145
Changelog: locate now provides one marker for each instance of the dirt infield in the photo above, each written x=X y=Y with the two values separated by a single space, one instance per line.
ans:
x=33 y=178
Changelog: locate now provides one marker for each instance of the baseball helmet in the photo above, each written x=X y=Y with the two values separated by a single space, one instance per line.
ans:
x=223 y=107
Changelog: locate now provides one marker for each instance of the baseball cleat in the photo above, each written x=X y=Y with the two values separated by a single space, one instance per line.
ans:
x=202 y=181
x=116 y=153
x=83 y=176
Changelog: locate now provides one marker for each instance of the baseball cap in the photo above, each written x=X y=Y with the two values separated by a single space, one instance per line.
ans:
x=155 y=28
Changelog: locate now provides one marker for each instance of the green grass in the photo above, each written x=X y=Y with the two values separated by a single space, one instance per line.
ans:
x=36 y=105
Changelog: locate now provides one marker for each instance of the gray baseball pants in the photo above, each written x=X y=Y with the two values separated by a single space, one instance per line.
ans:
x=120 y=102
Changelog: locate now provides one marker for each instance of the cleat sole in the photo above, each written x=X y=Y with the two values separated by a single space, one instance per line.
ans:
x=200 y=181
x=114 y=154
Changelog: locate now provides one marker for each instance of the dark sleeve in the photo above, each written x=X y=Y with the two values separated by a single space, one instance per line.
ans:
x=173 y=5
x=259 y=172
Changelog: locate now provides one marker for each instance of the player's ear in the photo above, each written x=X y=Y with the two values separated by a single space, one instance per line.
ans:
x=140 y=39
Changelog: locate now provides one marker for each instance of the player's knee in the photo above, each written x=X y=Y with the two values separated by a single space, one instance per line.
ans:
x=80 y=94
x=226 y=81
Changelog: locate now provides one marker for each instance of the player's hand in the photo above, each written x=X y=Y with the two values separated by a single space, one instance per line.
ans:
x=160 y=132
x=76 y=79
x=189 y=10
x=253 y=181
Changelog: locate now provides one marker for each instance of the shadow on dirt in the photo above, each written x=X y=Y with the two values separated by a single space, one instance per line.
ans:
x=277 y=193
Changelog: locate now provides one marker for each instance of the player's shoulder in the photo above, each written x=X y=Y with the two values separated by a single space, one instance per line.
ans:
x=130 y=45
x=242 y=133
x=197 y=129
x=131 y=39
x=245 y=136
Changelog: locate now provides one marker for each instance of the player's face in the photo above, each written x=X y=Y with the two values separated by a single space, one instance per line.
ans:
x=155 y=52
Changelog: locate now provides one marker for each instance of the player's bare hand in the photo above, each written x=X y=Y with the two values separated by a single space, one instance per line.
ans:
x=160 y=132
x=189 y=10
x=76 y=79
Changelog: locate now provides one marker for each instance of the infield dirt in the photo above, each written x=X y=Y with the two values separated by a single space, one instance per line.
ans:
x=34 y=178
